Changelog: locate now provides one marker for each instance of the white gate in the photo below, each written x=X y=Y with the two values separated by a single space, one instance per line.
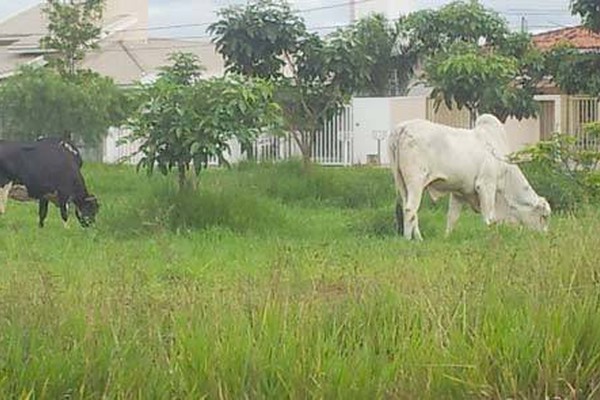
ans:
x=333 y=145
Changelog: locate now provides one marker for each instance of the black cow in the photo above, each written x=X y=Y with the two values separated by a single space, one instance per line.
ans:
x=49 y=171
x=66 y=145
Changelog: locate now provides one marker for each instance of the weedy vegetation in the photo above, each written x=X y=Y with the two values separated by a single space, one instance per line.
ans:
x=273 y=282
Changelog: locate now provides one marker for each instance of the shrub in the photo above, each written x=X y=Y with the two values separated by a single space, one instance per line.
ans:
x=347 y=187
x=226 y=207
x=562 y=192
x=564 y=169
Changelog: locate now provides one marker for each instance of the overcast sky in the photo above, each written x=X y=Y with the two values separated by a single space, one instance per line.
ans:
x=539 y=14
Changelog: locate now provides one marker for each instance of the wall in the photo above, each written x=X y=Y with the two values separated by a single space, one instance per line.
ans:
x=407 y=108
x=522 y=133
x=375 y=118
x=372 y=118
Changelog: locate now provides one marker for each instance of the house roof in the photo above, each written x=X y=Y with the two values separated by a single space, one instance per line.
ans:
x=126 y=61
x=578 y=36
x=25 y=23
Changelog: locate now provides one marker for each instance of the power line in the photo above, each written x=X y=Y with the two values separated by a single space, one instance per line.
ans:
x=522 y=12
x=348 y=3
x=203 y=24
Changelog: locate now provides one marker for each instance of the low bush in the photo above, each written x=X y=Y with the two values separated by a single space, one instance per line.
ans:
x=226 y=207
x=561 y=191
x=347 y=187
x=564 y=169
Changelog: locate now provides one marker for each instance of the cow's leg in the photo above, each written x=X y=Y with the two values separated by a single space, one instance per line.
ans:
x=43 y=211
x=454 y=208
x=64 y=211
x=400 y=199
x=487 y=201
x=4 y=192
x=485 y=186
x=411 y=207
x=399 y=215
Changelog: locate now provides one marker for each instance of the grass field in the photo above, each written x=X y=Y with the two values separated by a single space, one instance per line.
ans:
x=270 y=284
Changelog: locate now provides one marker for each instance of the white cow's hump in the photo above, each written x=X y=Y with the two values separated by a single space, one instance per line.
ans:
x=488 y=120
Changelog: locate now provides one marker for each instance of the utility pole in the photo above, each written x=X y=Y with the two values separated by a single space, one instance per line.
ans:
x=523 y=24
x=352 y=11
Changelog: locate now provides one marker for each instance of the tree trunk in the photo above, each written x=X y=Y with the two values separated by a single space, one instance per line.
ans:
x=181 y=169
x=194 y=179
x=306 y=161
x=304 y=142
x=306 y=149
x=472 y=117
x=71 y=69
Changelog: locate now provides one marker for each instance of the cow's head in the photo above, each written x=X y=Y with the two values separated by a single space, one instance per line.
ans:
x=522 y=204
x=86 y=211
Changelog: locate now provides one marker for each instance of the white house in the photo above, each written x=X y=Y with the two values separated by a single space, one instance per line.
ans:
x=126 y=52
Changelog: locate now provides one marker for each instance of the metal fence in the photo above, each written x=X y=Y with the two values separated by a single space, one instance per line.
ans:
x=581 y=110
x=332 y=145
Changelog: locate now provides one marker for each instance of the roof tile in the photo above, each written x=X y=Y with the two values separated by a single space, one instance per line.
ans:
x=580 y=37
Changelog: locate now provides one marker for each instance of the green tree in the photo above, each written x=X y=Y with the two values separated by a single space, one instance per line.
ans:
x=185 y=69
x=572 y=70
x=427 y=32
x=314 y=76
x=74 y=28
x=255 y=40
x=589 y=10
x=40 y=102
x=469 y=79
x=183 y=122
x=473 y=61
x=388 y=72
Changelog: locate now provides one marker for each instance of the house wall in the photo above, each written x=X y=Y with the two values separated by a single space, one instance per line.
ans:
x=558 y=100
x=407 y=108
x=522 y=133
x=372 y=121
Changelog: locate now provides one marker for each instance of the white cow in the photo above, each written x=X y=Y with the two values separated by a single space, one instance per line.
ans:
x=470 y=165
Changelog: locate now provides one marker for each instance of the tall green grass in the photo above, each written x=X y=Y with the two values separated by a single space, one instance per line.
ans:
x=269 y=283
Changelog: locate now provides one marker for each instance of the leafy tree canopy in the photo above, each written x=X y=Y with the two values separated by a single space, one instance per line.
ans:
x=573 y=71
x=41 y=102
x=473 y=61
x=388 y=72
x=255 y=39
x=428 y=31
x=589 y=10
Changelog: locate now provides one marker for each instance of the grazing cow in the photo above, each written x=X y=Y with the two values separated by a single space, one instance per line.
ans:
x=470 y=165
x=66 y=145
x=50 y=172
x=19 y=192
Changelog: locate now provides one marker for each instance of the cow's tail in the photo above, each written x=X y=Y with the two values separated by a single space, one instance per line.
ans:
x=394 y=157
